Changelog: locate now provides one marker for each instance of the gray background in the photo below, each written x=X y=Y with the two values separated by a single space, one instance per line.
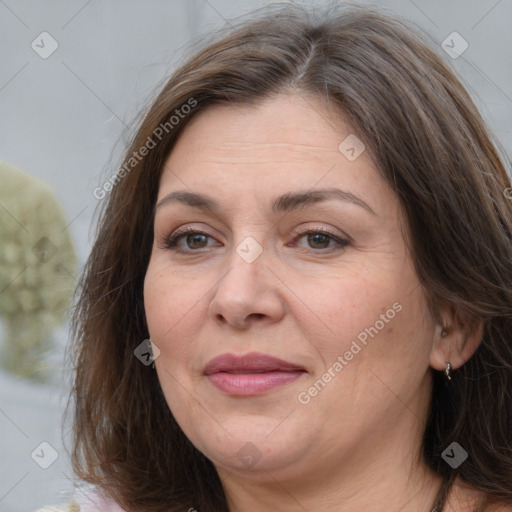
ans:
x=64 y=119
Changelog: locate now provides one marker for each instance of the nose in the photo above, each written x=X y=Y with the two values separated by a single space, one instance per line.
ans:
x=247 y=294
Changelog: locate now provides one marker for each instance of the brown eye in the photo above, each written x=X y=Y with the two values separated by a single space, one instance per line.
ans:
x=193 y=239
x=196 y=241
x=321 y=239
x=318 y=240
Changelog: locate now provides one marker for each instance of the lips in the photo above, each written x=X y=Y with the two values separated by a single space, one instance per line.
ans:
x=250 y=374
x=248 y=363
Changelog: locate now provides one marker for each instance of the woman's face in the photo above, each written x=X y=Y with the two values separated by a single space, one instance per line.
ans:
x=293 y=330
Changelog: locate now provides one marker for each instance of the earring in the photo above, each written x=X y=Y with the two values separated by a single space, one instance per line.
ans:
x=443 y=333
x=447 y=370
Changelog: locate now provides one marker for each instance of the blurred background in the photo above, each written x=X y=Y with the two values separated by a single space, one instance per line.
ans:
x=74 y=74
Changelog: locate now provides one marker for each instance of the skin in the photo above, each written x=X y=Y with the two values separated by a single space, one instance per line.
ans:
x=357 y=442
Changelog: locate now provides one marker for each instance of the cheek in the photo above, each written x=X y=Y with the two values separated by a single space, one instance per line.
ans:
x=385 y=313
x=346 y=305
x=381 y=328
x=172 y=306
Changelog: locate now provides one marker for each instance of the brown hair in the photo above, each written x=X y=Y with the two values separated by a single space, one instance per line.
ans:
x=430 y=144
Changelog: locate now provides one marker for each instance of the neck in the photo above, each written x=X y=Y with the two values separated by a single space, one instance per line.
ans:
x=377 y=495
x=386 y=482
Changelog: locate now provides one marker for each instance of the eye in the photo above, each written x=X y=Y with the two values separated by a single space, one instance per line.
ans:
x=321 y=239
x=193 y=239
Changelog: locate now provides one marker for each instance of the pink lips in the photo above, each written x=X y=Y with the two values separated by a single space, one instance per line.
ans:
x=250 y=374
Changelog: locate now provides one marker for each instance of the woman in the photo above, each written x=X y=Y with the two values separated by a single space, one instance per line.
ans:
x=311 y=228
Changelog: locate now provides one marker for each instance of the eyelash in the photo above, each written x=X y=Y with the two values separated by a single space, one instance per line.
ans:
x=171 y=242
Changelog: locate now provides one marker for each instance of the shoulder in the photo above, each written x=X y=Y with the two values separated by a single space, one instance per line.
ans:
x=86 y=501
x=94 y=500
x=72 y=506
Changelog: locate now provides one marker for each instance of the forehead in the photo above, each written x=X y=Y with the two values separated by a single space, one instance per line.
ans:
x=288 y=141
x=288 y=121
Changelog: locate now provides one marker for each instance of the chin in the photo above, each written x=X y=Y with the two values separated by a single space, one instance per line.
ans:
x=252 y=444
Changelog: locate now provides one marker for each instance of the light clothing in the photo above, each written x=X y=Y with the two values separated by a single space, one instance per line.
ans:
x=92 y=501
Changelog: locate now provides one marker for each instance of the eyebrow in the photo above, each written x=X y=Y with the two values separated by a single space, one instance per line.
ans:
x=284 y=203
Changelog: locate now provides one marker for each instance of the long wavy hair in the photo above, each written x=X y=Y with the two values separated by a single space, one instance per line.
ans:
x=431 y=146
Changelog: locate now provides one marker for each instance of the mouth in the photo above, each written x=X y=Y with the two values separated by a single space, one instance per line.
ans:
x=250 y=374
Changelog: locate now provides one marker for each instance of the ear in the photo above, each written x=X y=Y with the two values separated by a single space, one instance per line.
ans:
x=457 y=335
